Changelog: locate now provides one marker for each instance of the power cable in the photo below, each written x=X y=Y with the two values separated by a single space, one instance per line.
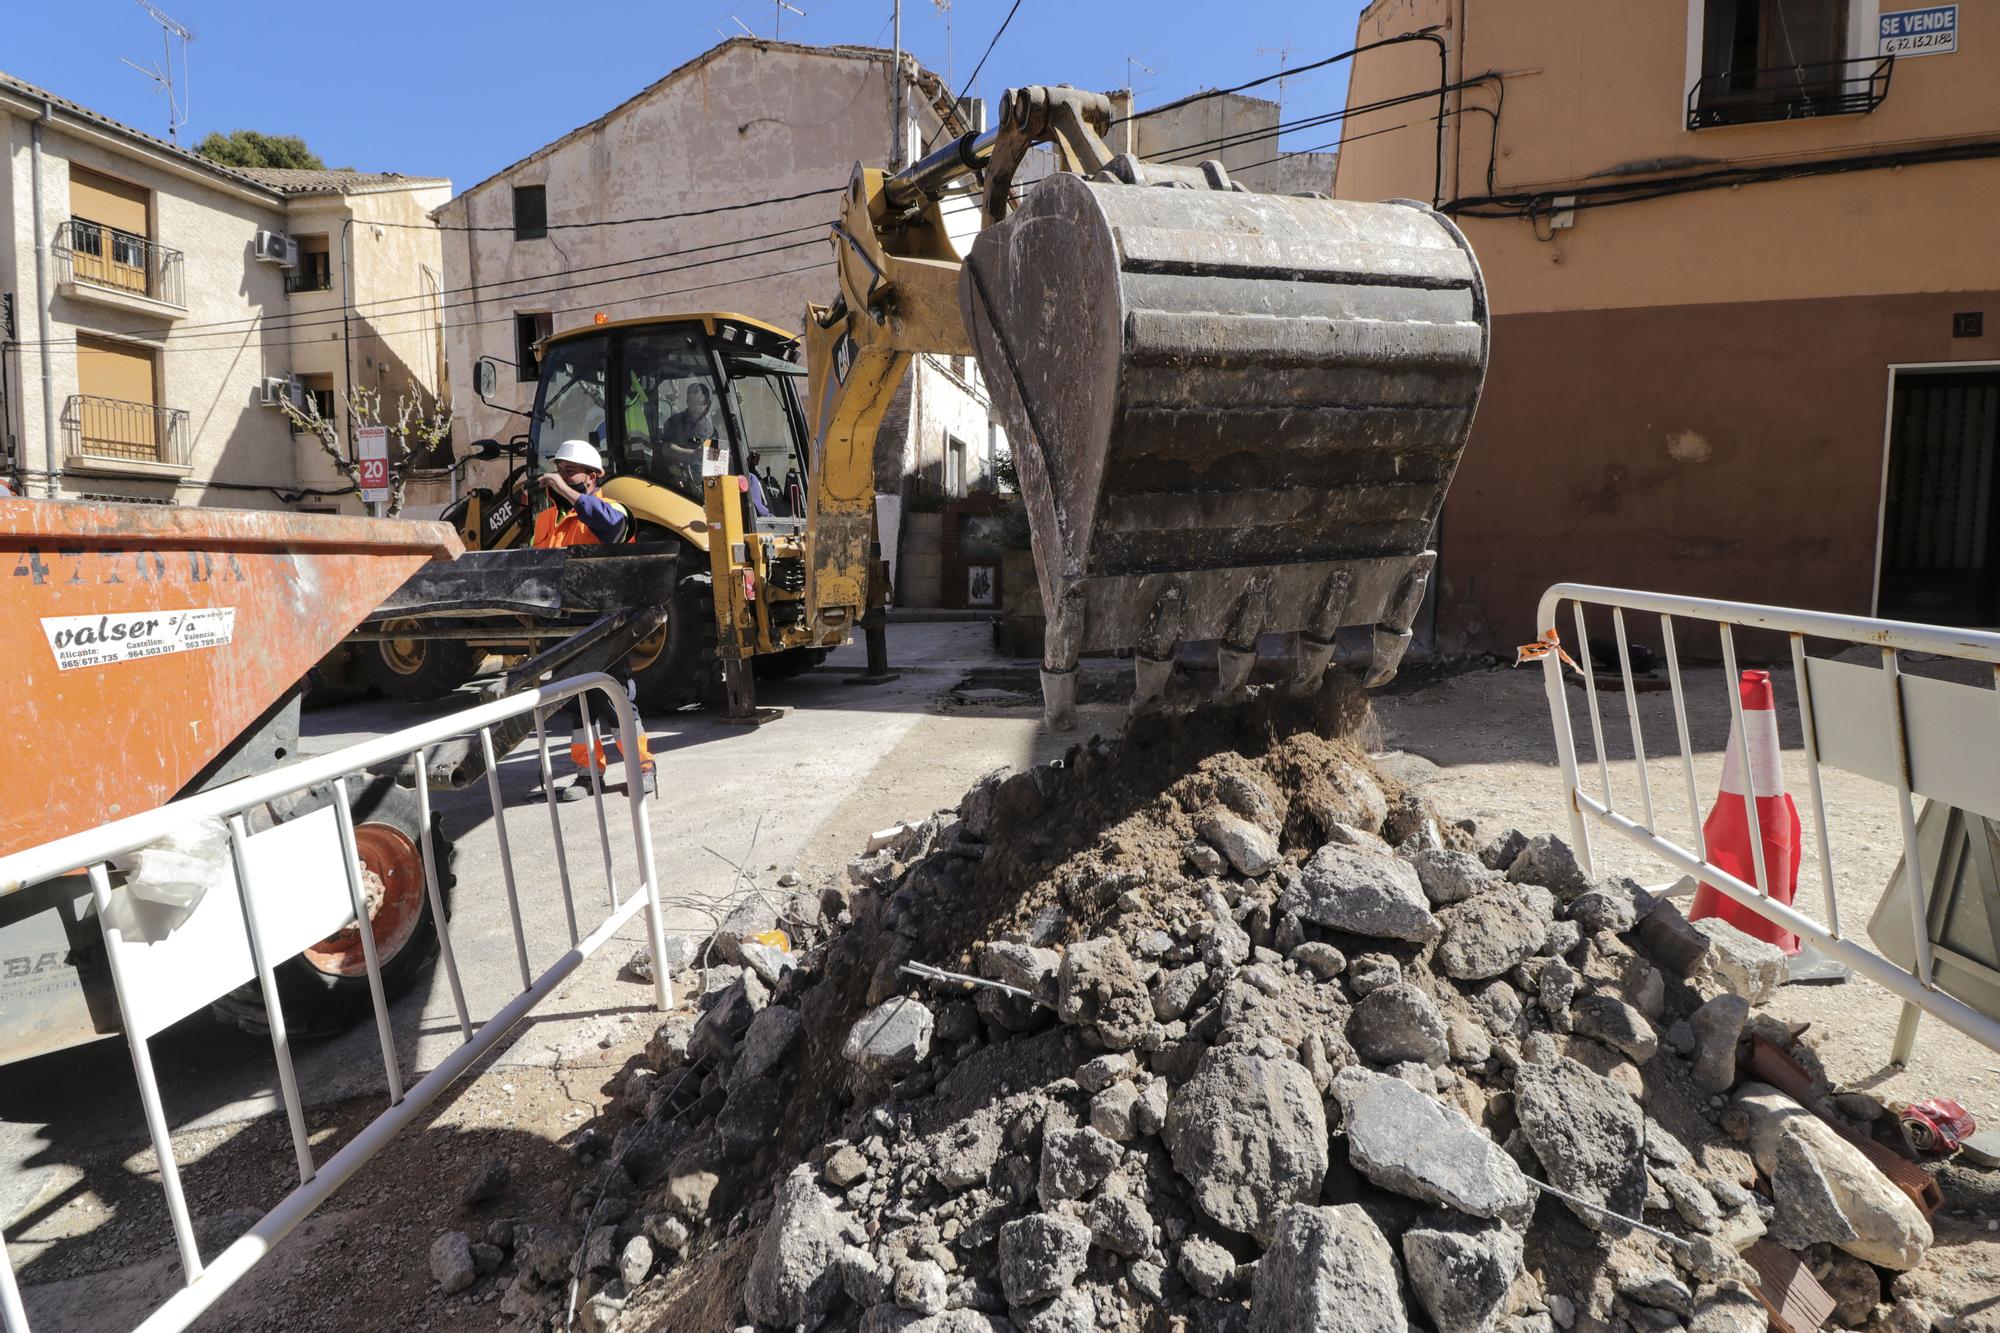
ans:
x=237 y=334
x=253 y=323
x=1417 y=34
x=626 y=222
x=958 y=102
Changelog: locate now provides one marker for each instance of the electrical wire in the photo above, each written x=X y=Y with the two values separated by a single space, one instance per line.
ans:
x=958 y=102
x=1295 y=71
x=236 y=335
x=310 y=319
x=627 y=222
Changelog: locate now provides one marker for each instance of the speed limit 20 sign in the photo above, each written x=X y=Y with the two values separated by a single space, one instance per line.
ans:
x=371 y=450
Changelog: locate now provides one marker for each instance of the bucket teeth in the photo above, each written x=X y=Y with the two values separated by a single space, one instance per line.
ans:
x=1389 y=648
x=1232 y=669
x=1059 y=699
x=1311 y=658
x=1150 y=677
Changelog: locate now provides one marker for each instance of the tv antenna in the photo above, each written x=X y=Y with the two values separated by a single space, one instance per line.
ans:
x=778 y=16
x=1131 y=65
x=162 y=74
x=1284 y=55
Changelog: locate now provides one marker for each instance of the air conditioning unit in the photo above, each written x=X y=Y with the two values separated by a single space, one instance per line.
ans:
x=274 y=247
x=277 y=389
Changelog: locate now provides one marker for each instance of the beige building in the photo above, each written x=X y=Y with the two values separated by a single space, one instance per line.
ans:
x=159 y=306
x=746 y=122
x=1740 y=261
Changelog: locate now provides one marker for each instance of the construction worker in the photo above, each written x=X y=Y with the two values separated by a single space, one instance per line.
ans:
x=580 y=516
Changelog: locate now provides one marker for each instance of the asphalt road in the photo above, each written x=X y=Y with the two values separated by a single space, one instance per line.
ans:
x=798 y=793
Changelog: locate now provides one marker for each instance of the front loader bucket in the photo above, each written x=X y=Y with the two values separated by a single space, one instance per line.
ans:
x=1232 y=414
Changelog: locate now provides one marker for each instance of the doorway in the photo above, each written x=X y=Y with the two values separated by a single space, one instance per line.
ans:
x=1940 y=534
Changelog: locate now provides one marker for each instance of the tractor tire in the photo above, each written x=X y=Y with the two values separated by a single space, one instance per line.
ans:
x=787 y=664
x=417 y=671
x=325 y=989
x=676 y=666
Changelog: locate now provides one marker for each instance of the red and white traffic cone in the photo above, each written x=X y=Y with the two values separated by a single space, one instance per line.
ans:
x=1727 y=829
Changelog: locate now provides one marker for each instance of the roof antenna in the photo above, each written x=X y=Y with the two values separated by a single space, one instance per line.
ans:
x=162 y=74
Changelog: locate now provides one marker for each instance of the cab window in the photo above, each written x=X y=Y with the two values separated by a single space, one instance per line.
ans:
x=761 y=390
x=669 y=408
x=571 y=406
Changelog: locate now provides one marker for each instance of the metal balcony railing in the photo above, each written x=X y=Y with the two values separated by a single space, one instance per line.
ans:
x=111 y=428
x=1790 y=92
x=95 y=255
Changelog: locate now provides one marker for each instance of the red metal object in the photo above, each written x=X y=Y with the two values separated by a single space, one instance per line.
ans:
x=1937 y=1124
x=392 y=884
x=141 y=640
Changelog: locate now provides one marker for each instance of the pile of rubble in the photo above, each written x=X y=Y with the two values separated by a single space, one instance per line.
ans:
x=1213 y=1028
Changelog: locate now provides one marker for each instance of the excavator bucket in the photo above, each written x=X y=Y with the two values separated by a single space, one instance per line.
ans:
x=1233 y=414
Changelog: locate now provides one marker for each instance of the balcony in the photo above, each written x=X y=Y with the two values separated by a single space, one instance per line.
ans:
x=111 y=435
x=1793 y=92
x=116 y=268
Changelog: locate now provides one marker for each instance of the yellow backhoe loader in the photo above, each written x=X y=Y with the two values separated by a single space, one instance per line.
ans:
x=1232 y=414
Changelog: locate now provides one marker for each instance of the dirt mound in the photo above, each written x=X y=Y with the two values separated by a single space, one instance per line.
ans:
x=1215 y=1027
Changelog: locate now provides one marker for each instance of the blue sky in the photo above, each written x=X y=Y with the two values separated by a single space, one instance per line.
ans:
x=460 y=89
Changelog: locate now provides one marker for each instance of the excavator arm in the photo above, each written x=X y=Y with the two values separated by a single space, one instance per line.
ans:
x=1233 y=414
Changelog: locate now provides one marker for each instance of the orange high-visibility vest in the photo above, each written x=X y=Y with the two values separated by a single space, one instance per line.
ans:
x=555 y=529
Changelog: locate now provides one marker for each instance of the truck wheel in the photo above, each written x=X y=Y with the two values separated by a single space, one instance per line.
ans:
x=791 y=662
x=676 y=666
x=325 y=989
x=418 y=670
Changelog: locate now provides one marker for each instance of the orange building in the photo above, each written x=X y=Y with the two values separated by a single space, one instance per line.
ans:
x=1744 y=268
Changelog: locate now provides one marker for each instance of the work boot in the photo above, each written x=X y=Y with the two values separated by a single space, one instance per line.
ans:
x=648 y=781
x=582 y=785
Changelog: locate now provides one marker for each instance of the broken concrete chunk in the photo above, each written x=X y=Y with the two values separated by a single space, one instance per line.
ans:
x=792 y=1279
x=1074 y=1162
x=1040 y=1256
x=1589 y=1137
x=1462 y=1273
x=891 y=1039
x=1548 y=861
x=1099 y=990
x=1825 y=1189
x=1449 y=876
x=1717 y=1027
x=1617 y=1024
x=1399 y=1023
x=1404 y=1141
x=1738 y=963
x=1327 y=1269
x=1669 y=940
x=1251 y=850
x=1377 y=896
x=1487 y=935
x=1248 y=1134
x=451 y=1261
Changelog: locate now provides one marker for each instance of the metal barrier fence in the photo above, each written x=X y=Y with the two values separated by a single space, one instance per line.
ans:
x=1914 y=735
x=262 y=899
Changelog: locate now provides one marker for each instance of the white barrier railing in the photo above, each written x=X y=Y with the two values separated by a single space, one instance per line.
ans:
x=92 y=849
x=1915 y=736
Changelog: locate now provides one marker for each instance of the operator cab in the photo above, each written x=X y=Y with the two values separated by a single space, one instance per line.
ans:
x=651 y=393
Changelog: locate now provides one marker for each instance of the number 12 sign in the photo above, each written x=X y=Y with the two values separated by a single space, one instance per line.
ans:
x=371 y=448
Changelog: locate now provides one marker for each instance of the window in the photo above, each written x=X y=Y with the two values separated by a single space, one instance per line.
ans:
x=531 y=212
x=1764 y=60
x=315 y=270
x=954 y=467
x=670 y=408
x=529 y=330
x=318 y=390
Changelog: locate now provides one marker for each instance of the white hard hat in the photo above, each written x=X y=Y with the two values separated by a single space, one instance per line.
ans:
x=581 y=452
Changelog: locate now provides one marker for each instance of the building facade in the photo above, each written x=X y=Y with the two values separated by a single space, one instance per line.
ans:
x=773 y=125
x=1738 y=259
x=159 y=306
